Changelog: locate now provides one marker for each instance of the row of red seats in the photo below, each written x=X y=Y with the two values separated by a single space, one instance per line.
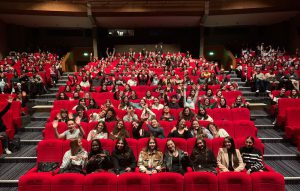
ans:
x=166 y=181
x=216 y=113
x=53 y=150
x=236 y=129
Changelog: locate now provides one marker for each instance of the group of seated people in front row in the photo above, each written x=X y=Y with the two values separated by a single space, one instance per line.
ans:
x=151 y=160
x=139 y=130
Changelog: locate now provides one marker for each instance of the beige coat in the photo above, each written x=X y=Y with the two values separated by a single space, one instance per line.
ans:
x=222 y=161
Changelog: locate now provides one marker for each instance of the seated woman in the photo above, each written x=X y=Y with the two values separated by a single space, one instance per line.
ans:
x=124 y=103
x=110 y=115
x=62 y=116
x=99 y=132
x=202 y=158
x=187 y=114
x=150 y=158
x=98 y=159
x=216 y=132
x=81 y=103
x=294 y=94
x=92 y=104
x=147 y=114
x=166 y=115
x=80 y=114
x=122 y=157
x=107 y=105
x=208 y=103
x=223 y=104
x=198 y=131
x=155 y=129
x=148 y=96
x=181 y=130
x=72 y=132
x=229 y=158
x=119 y=131
x=62 y=96
x=202 y=115
x=175 y=160
x=156 y=104
x=130 y=116
x=239 y=103
x=252 y=157
x=74 y=160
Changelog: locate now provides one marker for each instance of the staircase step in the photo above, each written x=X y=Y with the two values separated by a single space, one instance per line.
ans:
x=40 y=116
x=249 y=93
x=11 y=172
x=288 y=168
x=44 y=101
x=263 y=121
x=261 y=127
x=50 y=95
x=258 y=113
x=273 y=140
x=243 y=88
x=241 y=83
x=43 y=108
x=280 y=157
x=269 y=133
x=234 y=79
x=280 y=149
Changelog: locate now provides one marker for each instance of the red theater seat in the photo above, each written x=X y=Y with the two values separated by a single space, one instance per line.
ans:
x=35 y=182
x=67 y=182
x=267 y=181
x=222 y=114
x=167 y=181
x=134 y=181
x=237 y=181
x=240 y=114
x=103 y=181
x=204 y=181
x=244 y=128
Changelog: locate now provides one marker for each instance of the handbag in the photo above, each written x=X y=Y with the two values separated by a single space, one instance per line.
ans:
x=47 y=166
x=15 y=144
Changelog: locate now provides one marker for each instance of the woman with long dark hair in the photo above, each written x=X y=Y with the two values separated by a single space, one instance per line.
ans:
x=181 y=130
x=252 y=157
x=229 y=158
x=150 y=158
x=98 y=159
x=122 y=157
x=119 y=131
x=99 y=132
x=202 y=158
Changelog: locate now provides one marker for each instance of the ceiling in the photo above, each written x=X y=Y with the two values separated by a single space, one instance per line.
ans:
x=142 y=13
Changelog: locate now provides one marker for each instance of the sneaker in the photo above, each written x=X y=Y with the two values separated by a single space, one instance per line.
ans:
x=274 y=122
x=7 y=151
x=268 y=91
x=257 y=91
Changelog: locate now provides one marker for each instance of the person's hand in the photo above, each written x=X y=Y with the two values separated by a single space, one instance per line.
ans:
x=186 y=154
x=55 y=124
x=10 y=99
x=174 y=129
x=77 y=120
x=248 y=171
x=102 y=155
x=128 y=169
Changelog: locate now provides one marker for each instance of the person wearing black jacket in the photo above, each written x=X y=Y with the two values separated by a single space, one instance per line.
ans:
x=3 y=137
x=123 y=158
x=98 y=159
x=137 y=131
x=202 y=158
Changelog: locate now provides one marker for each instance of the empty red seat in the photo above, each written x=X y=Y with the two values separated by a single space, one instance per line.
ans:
x=222 y=114
x=237 y=181
x=167 y=181
x=134 y=181
x=267 y=181
x=67 y=181
x=195 y=181
x=35 y=182
x=103 y=181
x=240 y=114
x=244 y=128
